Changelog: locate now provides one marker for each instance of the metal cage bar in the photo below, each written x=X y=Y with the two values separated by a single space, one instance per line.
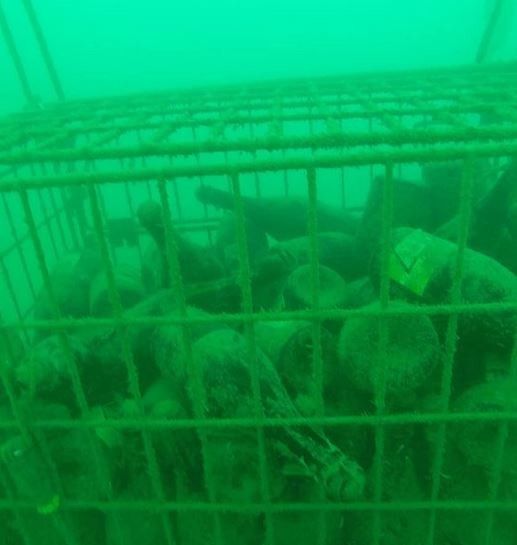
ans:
x=497 y=469
x=15 y=55
x=312 y=229
x=132 y=372
x=380 y=385
x=238 y=318
x=247 y=307
x=17 y=245
x=45 y=52
x=195 y=379
x=101 y=471
x=450 y=341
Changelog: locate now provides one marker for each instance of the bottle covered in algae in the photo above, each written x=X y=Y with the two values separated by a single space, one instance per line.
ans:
x=338 y=251
x=223 y=361
x=403 y=366
x=444 y=182
x=410 y=209
x=70 y=281
x=423 y=266
x=282 y=218
x=476 y=440
x=400 y=483
x=493 y=225
x=227 y=247
x=463 y=482
x=289 y=344
x=331 y=289
x=197 y=263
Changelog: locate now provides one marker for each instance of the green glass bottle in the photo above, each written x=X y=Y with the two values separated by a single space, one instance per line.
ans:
x=493 y=225
x=423 y=267
x=223 y=361
x=197 y=263
x=281 y=218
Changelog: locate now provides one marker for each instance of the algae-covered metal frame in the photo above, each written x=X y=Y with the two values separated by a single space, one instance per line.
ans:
x=35 y=148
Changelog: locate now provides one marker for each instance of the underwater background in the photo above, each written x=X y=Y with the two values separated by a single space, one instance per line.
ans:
x=273 y=308
x=111 y=47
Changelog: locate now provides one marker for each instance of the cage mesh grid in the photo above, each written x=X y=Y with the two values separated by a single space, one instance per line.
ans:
x=458 y=99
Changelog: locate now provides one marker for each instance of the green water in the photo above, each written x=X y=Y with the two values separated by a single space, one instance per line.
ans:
x=108 y=47
x=279 y=312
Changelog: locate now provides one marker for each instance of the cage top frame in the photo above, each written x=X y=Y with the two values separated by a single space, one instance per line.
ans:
x=383 y=104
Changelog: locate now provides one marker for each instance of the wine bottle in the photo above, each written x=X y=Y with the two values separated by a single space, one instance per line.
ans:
x=423 y=267
x=337 y=251
x=222 y=359
x=282 y=218
x=470 y=484
x=359 y=293
x=70 y=282
x=493 y=225
x=197 y=264
x=298 y=289
x=407 y=361
x=128 y=282
x=400 y=483
x=477 y=440
x=444 y=183
x=227 y=247
x=410 y=209
x=98 y=354
x=289 y=345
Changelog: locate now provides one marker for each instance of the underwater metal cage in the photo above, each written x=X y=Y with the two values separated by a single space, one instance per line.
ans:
x=68 y=167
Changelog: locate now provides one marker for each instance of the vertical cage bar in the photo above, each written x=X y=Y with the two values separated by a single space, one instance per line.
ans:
x=72 y=225
x=48 y=223
x=57 y=216
x=315 y=285
x=370 y=130
x=140 y=143
x=195 y=379
x=488 y=33
x=10 y=289
x=45 y=52
x=134 y=385
x=285 y=176
x=132 y=213
x=149 y=189
x=33 y=439
x=19 y=246
x=450 y=340
x=317 y=360
x=502 y=439
x=102 y=473
x=256 y=177
x=15 y=56
x=131 y=207
x=177 y=199
x=73 y=202
x=104 y=214
x=201 y=183
x=247 y=307
x=380 y=385
x=18 y=514
x=342 y=187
